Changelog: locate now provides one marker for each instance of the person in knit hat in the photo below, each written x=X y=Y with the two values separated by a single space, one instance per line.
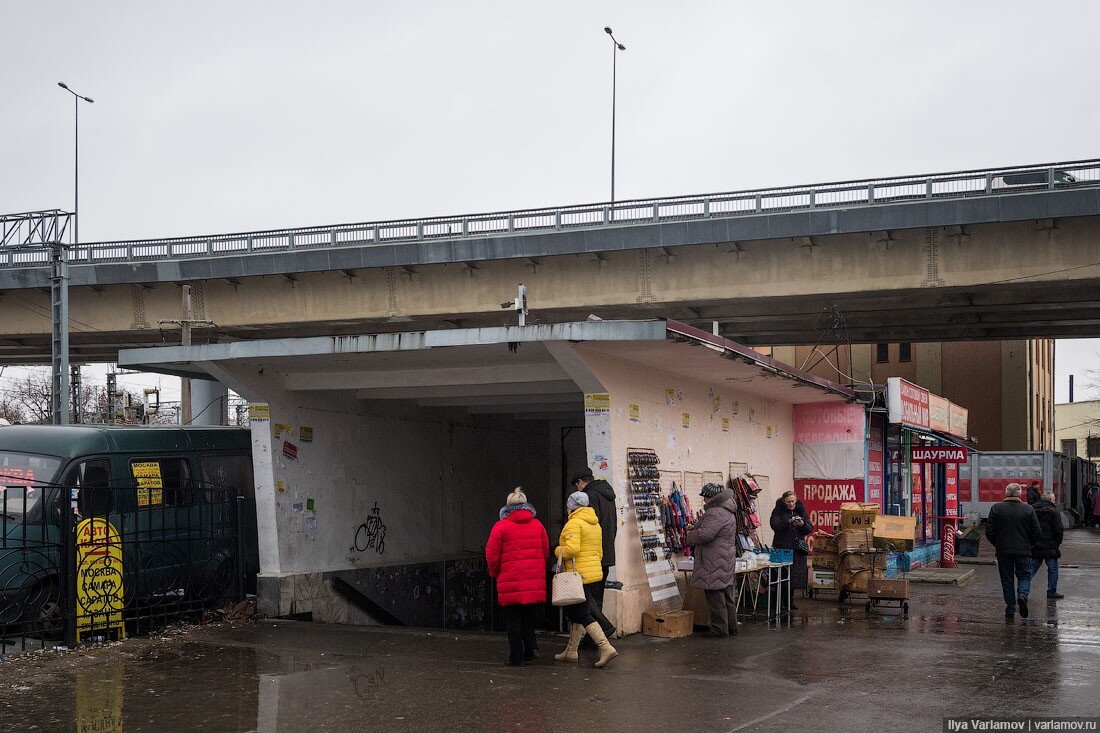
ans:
x=580 y=549
x=516 y=554
x=714 y=541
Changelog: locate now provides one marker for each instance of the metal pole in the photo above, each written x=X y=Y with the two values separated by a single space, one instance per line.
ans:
x=185 y=340
x=112 y=386
x=59 y=341
x=614 y=92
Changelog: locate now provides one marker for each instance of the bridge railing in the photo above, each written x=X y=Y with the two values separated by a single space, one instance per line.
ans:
x=845 y=194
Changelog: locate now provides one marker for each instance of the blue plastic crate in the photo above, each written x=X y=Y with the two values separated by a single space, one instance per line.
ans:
x=780 y=555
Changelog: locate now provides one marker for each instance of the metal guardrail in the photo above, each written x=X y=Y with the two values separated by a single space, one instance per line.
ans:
x=845 y=194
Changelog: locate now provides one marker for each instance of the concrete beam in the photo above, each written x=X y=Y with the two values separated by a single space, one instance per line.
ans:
x=520 y=409
x=574 y=398
x=563 y=386
x=443 y=377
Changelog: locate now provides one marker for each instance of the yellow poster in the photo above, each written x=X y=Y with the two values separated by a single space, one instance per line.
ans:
x=717 y=404
x=685 y=419
x=597 y=403
x=670 y=396
x=149 y=483
x=736 y=408
x=770 y=432
x=725 y=425
x=284 y=430
x=635 y=413
x=99 y=588
x=259 y=412
x=305 y=434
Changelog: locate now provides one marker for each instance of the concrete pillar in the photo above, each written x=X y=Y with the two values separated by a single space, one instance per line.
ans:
x=209 y=402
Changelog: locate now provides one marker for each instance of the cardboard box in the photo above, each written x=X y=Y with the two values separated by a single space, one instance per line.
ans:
x=884 y=588
x=695 y=600
x=854 y=540
x=895 y=533
x=823 y=542
x=824 y=560
x=858 y=561
x=667 y=624
x=857 y=581
x=823 y=579
x=857 y=516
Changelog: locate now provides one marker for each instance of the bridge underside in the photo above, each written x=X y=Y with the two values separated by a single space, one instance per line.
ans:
x=1005 y=280
x=943 y=315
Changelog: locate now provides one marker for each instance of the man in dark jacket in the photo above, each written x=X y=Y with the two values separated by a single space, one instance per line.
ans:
x=1047 y=548
x=714 y=542
x=601 y=497
x=1013 y=530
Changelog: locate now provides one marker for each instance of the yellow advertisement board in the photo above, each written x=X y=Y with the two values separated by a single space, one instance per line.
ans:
x=99 y=587
x=149 y=483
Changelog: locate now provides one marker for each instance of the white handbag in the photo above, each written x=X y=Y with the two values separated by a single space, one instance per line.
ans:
x=567 y=588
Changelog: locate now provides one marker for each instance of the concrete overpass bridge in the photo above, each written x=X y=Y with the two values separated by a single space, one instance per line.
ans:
x=988 y=254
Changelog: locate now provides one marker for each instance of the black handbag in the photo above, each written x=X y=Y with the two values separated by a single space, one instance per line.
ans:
x=802 y=546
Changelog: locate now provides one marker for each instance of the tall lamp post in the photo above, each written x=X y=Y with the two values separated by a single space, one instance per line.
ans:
x=615 y=48
x=59 y=388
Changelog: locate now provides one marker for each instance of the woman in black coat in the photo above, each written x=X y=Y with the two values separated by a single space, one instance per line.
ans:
x=791 y=522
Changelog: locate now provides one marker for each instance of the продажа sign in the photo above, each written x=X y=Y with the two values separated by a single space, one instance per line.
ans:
x=938 y=454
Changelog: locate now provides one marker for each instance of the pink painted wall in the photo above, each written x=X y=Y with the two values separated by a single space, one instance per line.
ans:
x=703 y=446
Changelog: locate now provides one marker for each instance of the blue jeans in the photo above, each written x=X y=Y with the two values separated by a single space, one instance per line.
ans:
x=1052 y=572
x=1016 y=568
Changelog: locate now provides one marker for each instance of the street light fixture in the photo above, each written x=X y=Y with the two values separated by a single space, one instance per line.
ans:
x=615 y=48
x=59 y=256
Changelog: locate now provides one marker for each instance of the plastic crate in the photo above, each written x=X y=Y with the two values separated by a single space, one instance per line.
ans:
x=968 y=548
x=781 y=555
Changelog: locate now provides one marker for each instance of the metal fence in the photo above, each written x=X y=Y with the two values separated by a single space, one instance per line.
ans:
x=844 y=194
x=107 y=561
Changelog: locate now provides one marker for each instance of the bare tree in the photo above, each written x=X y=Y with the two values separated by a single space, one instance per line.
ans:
x=27 y=401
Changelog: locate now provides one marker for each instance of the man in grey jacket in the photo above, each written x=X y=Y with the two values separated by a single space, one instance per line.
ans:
x=1013 y=529
x=713 y=539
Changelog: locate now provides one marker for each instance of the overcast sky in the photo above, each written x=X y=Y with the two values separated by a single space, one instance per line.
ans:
x=229 y=116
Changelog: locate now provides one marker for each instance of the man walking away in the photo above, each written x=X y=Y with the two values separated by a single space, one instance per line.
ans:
x=1047 y=548
x=601 y=497
x=714 y=541
x=1013 y=530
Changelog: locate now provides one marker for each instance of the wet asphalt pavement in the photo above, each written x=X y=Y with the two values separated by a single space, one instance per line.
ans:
x=831 y=669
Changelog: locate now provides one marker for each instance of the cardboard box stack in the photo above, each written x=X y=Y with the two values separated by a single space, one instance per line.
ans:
x=857 y=562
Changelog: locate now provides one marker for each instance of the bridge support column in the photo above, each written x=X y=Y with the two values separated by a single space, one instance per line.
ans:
x=209 y=402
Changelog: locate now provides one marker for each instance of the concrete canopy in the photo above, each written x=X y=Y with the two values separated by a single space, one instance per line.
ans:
x=531 y=371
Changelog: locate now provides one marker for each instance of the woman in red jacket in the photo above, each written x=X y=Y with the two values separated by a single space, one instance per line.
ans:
x=516 y=553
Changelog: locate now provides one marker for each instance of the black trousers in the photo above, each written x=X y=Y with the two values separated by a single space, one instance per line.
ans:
x=597 y=605
x=723 y=610
x=520 y=622
x=581 y=613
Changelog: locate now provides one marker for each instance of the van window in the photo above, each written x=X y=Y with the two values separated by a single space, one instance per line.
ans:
x=228 y=472
x=21 y=479
x=162 y=482
x=92 y=480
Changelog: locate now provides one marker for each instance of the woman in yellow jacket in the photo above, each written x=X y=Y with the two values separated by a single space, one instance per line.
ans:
x=581 y=548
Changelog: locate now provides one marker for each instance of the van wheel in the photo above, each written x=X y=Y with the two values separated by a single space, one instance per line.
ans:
x=42 y=608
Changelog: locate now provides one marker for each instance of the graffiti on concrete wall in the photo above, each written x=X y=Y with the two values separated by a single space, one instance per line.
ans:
x=371 y=534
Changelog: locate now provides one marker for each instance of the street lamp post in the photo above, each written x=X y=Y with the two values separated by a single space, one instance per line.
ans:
x=615 y=48
x=59 y=383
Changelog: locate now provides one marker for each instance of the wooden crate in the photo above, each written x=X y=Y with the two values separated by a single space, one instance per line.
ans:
x=667 y=624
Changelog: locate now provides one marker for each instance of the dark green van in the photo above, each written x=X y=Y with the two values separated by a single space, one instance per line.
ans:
x=182 y=501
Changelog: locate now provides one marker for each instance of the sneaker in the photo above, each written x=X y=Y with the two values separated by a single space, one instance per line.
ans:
x=1022 y=603
x=1054 y=596
x=712 y=634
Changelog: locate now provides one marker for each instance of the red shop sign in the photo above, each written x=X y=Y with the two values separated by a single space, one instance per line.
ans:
x=938 y=454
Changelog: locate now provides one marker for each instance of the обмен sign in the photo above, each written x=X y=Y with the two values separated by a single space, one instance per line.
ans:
x=938 y=454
